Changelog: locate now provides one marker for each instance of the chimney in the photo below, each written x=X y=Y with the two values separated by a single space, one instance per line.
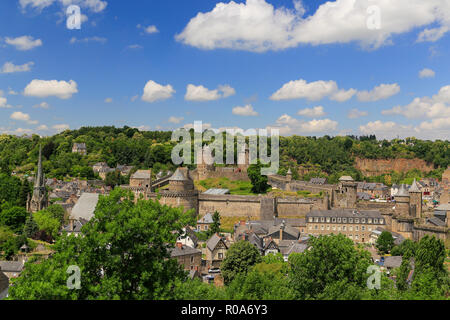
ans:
x=179 y=245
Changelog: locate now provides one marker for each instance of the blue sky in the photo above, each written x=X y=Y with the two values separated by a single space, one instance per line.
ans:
x=261 y=64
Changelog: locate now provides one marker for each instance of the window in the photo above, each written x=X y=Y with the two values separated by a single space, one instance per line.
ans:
x=363 y=228
x=375 y=220
x=339 y=228
x=363 y=220
x=339 y=220
x=192 y=259
x=356 y=237
x=344 y=228
x=310 y=219
x=370 y=228
x=334 y=228
x=322 y=227
x=206 y=227
x=350 y=220
x=350 y=236
x=381 y=221
x=356 y=220
x=322 y=219
x=350 y=228
x=333 y=220
x=316 y=227
x=316 y=219
x=328 y=219
x=356 y=228
x=220 y=255
x=328 y=227
x=344 y=220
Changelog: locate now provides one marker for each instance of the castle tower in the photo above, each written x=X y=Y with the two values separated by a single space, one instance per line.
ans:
x=243 y=157
x=181 y=191
x=415 y=200
x=39 y=199
x=289 y=175
x=402 y=202
x=345 y=195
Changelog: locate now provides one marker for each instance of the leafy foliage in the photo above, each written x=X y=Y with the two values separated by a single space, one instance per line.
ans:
x=240 y=257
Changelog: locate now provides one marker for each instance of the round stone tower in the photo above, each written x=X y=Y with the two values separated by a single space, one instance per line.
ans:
x=415 y=200
x=402 y=202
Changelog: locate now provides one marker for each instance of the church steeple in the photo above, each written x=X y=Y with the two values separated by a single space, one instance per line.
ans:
x=39 y=199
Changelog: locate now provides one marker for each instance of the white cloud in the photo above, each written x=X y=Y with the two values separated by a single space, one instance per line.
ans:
x=149 y=30
x=42 y=127
x=200 y=93
x=42 y=105
x=175 y=119
x=10 y=67
x=12 y=92
x=257 y=25
x=134 y=46
x=93 y=5
x=24 y=43
x=436 y=124
x=88 y=39
x=300 y=89
x=108 y=100
x=343 y=95
x=426 y=73
x=432 y=35
x=380 y=92
x=61 y=127
x=44 y=88
x=289 y=125
x=435 y=107
x=20 y=116
x=154 y=92
x=355 y=113
x=3 y=102
x=246 y=111
x=312 y=112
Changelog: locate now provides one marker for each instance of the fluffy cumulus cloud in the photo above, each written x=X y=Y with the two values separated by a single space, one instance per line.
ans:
x=42 y=105
x=149 y=29
x=175 y=119
x=20 y=116
x=380 y=92
x=154 y=92
x=318 y=90
x=289 y=125
x=246 y=111
x=46 y=88
x=61 y=127
x=301 y=89
x=93 y=5
x=355 y=113
x=24 y=43
x=10 y=67
x=257 y=25
x=201 y=93
x=426 y=73
x=312 y=112
x=437 y=106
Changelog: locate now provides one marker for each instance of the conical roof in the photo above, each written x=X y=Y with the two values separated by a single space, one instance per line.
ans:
x=178 y=176
x=414 y=187
x=39 y=174
x=402 y=192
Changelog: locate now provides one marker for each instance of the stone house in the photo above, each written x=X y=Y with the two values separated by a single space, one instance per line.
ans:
x=188 y=257
x=141 y=179
x=204 y=223
x=216 y=250
x=189 y=238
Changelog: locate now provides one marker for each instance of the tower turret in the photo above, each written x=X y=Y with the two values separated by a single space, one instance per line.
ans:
x=415 y=200
x=39 y=199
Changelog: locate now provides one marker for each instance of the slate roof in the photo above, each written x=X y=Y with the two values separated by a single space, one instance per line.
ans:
x=183 y=251
x=402 y=192
x=414 y=187
x=192 y=235
x=213 y=241
x=141 y=174
x=318 y=180
x=436 y=221
x=85 y=206
x=178 y=176
x=207 y=218
x=11 y=266
x=297 y=248
x=287 y=229
x=346 y=178
x=217 y=191
x=363 y=196
x=345 y=213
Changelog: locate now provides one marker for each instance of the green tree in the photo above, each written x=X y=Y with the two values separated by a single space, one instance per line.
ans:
x=13 y=217
x=123 y=254
x=30 y=228
x=215 y=226
x=240 y=257
x=332 y=264
x=385 y=242
x=47 y=223
x=259 y=181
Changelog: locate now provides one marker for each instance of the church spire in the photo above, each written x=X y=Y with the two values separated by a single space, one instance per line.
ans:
x=39 y=174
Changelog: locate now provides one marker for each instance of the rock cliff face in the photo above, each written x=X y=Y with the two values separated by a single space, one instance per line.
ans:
x=376 y=167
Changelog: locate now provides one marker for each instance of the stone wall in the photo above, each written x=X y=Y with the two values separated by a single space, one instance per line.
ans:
x=230 y=205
